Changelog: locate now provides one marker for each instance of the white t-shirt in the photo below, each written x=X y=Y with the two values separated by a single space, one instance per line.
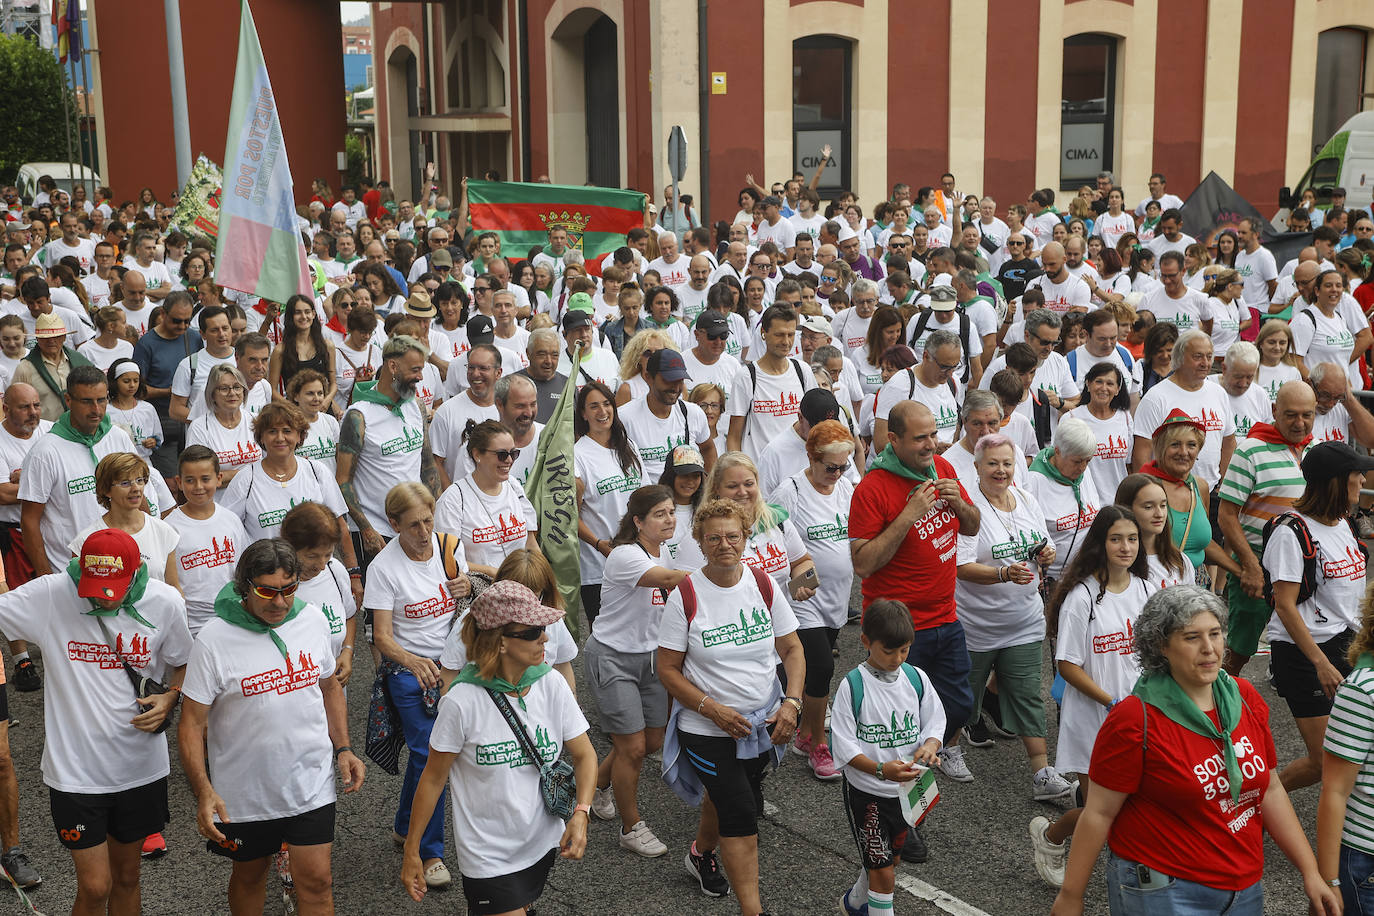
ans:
x=722 y=372
x=1162 y=577
x=883 y=705
x=1335 y=605
x=674 y=274
x=346 y=368
x=83 y=251
x=850 y=332
x=500 y=825
x=1332 y=426
x=89 y=747
x=1111 y=228
x=1115 y=439
x=12 y=452
x=191 y=386
x=1006 y=614
x=1253 y=406
x=729 y=644
x=102 y=358
x=1167 y=202
x=321 y=441
x=491 y=526
x=1208 y=406
x=446 y=431
x=784 y=234
x=1159 y=244
x=943 y=400
x=1319 y=339
x=392 y=447
x=416 y=594
x=235 y=447
x=822 y=523
x=606 y=490
x=1271 y=378
x=598 y=364
x=1061 y=297
x=156 y=273
x=1185 y=312
x=769 y=403
x=630 y=613
x=332 y=593
x=656 y=438
x=206 y=554
x=157 y=542
x=1098 y=636
x=261 y=501
x=267 y=732
x=1066 y=519
x=1225 y=322
x=1257 y=270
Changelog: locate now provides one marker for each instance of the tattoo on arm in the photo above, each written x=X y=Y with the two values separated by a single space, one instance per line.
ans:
x=429 y=472
x=351 y=436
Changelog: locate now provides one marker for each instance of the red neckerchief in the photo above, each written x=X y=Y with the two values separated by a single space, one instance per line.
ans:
x=1267 y=432
x=1154 y=470
x=334 y=325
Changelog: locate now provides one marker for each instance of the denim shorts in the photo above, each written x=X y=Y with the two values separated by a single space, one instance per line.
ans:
x=1357 y=881
x=1174 y=896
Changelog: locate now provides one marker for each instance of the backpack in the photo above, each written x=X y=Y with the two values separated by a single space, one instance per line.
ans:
x=1307 y=546
x=911 y=392
x=689 y=592
x=855 y=679
x=1126 y=358
x=448 y=550
x=965 y=329
x=754 y=378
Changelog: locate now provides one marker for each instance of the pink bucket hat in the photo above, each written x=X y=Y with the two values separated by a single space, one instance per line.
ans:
x=510 y=602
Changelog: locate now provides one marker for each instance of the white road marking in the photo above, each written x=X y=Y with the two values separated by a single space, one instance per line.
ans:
x=770 y=809
x=929 y=892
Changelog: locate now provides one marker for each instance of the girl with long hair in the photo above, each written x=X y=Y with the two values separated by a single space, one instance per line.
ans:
x=608 y=469
x=302 y=347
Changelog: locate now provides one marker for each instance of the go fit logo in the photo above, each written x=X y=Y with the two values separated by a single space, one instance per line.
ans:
x=71 y=834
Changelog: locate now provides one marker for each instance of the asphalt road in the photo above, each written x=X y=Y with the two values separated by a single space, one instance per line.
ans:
x=979 y=846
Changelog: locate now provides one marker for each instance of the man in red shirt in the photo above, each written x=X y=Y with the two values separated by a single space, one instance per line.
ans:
x=904 y=522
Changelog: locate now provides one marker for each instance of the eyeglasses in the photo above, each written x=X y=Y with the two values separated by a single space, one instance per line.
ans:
x=268 y=592
x=1054 y=342
x=503 y=454
x=1015 y=244
x=136 y=482
x=229 y=389
x=529 y=634
x=836 y=468
x=715 y=540
x=946 y=368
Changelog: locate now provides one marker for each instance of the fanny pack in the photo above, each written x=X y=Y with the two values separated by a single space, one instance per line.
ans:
x=556 y=783
x=144 y=686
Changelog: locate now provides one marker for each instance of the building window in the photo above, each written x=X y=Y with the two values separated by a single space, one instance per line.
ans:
x=1087 y=110
x=1340 y=81
x=821 y=109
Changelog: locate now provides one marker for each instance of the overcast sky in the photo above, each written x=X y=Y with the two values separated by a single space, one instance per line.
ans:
x=349 y=10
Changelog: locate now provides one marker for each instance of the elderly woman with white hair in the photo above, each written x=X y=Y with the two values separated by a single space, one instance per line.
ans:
x=1250 y=404
x=999 y=571
x=1188 y=755
x=1066 y=493
x=1186 y=388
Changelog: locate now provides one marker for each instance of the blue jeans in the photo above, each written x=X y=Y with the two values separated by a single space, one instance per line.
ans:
x=1177 y=897
x=942 y=654
x=1357 y=881
x=407 y=695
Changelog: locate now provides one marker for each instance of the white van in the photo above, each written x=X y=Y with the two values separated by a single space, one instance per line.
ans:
x=66 y=174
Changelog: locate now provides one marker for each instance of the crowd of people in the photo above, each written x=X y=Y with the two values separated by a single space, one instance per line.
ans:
x=1020 y=435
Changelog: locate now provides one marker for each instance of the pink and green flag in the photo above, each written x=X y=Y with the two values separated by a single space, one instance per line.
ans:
x=258 y=251
x=522 y=213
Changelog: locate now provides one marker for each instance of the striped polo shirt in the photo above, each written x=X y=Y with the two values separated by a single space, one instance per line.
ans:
x=1350 y=736
x=1264 y=479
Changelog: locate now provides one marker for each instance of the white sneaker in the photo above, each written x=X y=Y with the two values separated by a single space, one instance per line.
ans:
x=641 y=840
x=603 y=804
x=952 y=764
x=1049 y=857
x=1048 y=785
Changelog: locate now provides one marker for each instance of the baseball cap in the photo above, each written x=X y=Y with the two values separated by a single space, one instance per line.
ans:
x=508 y=601
x=440 y=258
x=687 y=460
x=577 y=318
x=419 y=305
x=49 y=325
x=667 y=364
x=712 y=322
x=580 y=302
x=818 y=405
x=109 y=560
x=816 y=324
x=942 y=299
x=1332 y=459
x=480 y=330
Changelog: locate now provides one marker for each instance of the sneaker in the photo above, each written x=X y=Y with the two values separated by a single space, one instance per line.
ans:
x=154 y=846
x=848 y=910
x=603 y=804
x=705 y=867
x=1364 y=525
x=823 y=764
x=1050 y=857
x=397 y=840
x=977 y=734
x=17 y=866
x=641 y=840
x=437 y=876
x=801 y=746
x=853 y=617
x=992 y=713
x=914 y=849
x=26 y=676
x=952 y=764
x=1048 y=785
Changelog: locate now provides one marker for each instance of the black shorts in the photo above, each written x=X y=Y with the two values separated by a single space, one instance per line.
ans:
x=86 y=820
x=1295 y=678
x=4 y=698
x=504 y=893
x=877 y=825
x=245 y=841
x=817 y=643
x=734 y=786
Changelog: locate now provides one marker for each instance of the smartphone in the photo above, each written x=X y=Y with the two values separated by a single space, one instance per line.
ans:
x=808 y=579
x=1149 y=879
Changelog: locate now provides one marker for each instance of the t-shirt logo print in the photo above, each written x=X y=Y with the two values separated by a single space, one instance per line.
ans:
x=135 y=652
x=837 y=530
x=891 y=734
x=786 y=405
x=409 y=440
x=304 y=673
x=217 y=554
x=753 y=626
x=506 y=530
x=509 y=753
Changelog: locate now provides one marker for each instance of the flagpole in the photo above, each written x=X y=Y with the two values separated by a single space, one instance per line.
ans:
x=67 y=113
x=176 y=65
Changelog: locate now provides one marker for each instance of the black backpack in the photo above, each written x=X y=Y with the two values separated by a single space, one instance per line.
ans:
x=965 y=329
x=1307 y=546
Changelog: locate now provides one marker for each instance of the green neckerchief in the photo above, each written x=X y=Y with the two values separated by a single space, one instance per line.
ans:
x=35 y=357
x=229 y=608
x=1149 y=224
x=1051 y=209
x=992 y=281
x=135 y=594
x=1366 y=660
x=367 y=391
x=63 y=429
x=1043 y=465
x=888 y=461
x=1163 y=693
x=649 y=320
x=533 y=673
x=778 y=516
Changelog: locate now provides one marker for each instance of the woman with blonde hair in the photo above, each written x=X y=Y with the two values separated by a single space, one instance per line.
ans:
x=710 y=397
x=120 y=479
x=634 y=360
x=1278 y=362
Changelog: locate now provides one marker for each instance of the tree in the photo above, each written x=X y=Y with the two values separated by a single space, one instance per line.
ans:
x=31 y=109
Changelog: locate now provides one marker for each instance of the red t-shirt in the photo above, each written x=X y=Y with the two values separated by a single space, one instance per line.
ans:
x=372 y=203
x=921 y=572
x=1183 y=795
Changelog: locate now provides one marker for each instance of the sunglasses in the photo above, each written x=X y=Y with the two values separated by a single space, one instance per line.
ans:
x=268 y=592
x=721 y=336
x=503 y=454
x=836 y=468
x=530 y=634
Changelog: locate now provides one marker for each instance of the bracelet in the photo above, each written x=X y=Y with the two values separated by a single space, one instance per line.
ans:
x=879 y=773
x=348 y=646
x=340 y=749
x=704 y=698
x=795 y=702
x=355 y=571
x=1334 y=882
x=585 y=809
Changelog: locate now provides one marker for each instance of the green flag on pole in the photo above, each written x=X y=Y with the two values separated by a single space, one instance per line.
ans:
x=553 y=491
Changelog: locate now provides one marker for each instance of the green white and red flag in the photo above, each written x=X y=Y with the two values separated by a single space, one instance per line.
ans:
x=522 y=213
x=259 y=250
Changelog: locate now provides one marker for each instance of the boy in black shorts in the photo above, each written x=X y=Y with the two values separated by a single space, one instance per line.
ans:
x=885 y=724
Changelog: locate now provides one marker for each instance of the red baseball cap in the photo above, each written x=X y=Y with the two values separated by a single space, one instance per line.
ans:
x=109 y=560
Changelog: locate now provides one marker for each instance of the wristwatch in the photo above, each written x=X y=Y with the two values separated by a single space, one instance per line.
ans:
x=585 y=809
